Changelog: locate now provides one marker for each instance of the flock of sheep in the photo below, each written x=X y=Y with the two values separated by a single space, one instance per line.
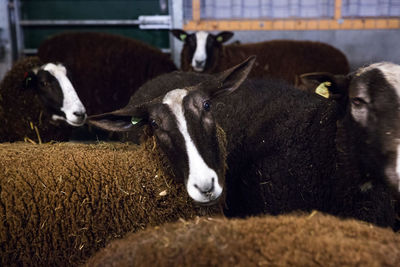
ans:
x=262 y=141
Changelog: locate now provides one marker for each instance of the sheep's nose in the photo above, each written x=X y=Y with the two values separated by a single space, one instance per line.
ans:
x=199 y=63
x=80 y=115
x=206 y=190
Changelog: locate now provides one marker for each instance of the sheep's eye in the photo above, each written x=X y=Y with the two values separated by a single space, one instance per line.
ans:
x=43 y=83
x=154 y=124
x=358 y=102
x=206 y=105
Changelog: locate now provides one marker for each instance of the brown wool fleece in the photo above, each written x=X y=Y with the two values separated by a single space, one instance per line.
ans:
x=21 y=111
x=282 y=59
x=286 y=240
x=106 y=69
x=59 y=203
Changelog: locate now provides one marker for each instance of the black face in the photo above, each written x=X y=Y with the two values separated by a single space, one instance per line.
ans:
x=50 y=92
x=163 y=125
x=183 y=124
x=369 y=109
x=200 y=51
x=57 y=93
x=202 y=128
x=374 y=106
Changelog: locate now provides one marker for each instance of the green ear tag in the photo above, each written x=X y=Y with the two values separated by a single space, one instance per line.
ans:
x=220 y=39
x=27 y=81
x=323 y=90
x=135 y=121
x=183 y=37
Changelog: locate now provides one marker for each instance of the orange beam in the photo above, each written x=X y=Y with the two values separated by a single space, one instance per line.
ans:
x=300 y=24
x=196 y=10
x=338 y=9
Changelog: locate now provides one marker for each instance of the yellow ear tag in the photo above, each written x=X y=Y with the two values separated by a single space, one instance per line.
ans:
x=135 y=121
x=323 y=90
x=220 y=39
x=183 y=37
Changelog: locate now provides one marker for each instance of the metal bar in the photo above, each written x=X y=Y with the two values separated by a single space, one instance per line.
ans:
x=33 y=51
x=78 y=22
x=144 y=22
x=300 y=24
x=176 y=12
x=17 y=38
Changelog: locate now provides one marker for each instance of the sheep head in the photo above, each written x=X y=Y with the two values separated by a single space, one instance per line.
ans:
x=183 y=123
x=51 y=84
x=369 y=105
x=201 y=50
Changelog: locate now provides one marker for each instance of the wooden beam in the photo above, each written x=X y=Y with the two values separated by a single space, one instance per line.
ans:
x=196 y=10
x=338 y=9
x=297 y=24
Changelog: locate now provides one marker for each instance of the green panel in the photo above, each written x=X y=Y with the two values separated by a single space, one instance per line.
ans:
x=91 y=9
x=160 y=38
x=96 y=9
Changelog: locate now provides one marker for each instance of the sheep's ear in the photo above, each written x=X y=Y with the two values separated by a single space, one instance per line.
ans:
x=30 y=80
x=229 y=80
x=330 y=86
x=122 y=120
x=224 y=36
x=180 y=34
x=325 y=84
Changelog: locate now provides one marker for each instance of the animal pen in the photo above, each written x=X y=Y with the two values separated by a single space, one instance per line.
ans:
x=333 y=21
x=293 y=190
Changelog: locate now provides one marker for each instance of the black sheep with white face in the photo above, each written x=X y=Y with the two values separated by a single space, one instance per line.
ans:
x=370 y=103
x=51 y=83
x=184 y=126
x=201 y=48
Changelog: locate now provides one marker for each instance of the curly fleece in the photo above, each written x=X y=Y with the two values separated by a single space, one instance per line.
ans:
x=286 y=240
x=59 y=203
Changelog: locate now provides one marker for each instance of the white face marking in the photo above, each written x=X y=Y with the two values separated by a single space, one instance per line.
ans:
x=390 y=70
x=71 y=103
x=398 y=167
x=200 y=55
x=201 y=177
x=393 y=172
x=360 y=115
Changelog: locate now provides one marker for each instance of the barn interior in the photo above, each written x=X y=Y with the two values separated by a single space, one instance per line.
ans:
x=86 y=195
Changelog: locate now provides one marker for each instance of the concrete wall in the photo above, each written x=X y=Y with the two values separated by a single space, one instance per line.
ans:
x=361 y=47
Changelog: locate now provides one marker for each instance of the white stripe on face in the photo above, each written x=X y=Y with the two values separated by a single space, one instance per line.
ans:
x=200 y=55
x=71 y=103
x=392 y=171
x=398 y=167
x=201 y=177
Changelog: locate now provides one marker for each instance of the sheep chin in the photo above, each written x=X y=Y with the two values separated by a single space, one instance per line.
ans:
x=198 y=69
x=209 y=203
x=72 y=123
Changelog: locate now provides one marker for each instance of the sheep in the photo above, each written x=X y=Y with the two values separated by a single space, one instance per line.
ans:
x=36 y=99
x=286 y=240
x=281 y=152
x=303 y=120
x=284 y=59
x=368 y=132
x=59 y=203
x=107 y=69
